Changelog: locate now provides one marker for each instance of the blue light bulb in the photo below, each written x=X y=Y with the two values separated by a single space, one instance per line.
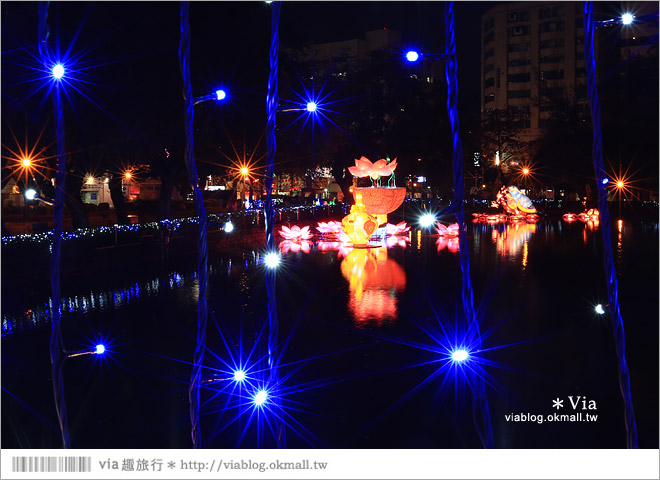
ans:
x=412 y=56
x=605 y=181
x=220 y=94
x=626 y=18
x=272 y=260
x=459 y=355
x=100 y=349
x=239 y=375
x=260 y=397
x=58 y=71
x=311 y=106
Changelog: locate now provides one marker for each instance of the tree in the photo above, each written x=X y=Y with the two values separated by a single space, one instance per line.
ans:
x=389 y=111
x=503 y=135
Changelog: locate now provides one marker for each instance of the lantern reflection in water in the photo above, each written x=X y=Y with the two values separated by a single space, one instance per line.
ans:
x=373 y=282
x=512 y=240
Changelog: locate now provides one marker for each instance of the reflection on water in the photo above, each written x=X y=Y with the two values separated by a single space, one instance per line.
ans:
x=374 y=280
x=373 y=283
x=93 y=301
x=107 y=300
x=511 y=240
x=619 y=241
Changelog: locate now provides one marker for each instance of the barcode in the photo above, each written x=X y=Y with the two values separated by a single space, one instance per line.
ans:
x=51 y=464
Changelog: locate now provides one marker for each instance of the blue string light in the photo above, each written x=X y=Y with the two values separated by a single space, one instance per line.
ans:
x=484 y=428
x=610 y=271
x=56 y=344
x=202 y=248
x=269 y=213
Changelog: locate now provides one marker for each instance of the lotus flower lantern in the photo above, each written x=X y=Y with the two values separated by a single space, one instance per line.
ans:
x=379 y=200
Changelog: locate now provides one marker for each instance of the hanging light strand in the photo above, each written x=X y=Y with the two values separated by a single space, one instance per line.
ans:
x=610 y=270
x=480 y=404
x=202 y=248
x=56 y=343
x=269 y=213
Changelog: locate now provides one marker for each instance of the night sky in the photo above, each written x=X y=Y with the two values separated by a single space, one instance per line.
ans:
x=131 y=49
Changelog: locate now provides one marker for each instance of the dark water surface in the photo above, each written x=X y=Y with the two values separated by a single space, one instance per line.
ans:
x=361 y=334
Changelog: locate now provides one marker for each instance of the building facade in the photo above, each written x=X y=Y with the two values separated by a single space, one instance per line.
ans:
x=532 y=53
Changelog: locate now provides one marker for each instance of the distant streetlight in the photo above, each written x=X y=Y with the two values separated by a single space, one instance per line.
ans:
x=627 y=18
x=525 y=171
x=26 y=162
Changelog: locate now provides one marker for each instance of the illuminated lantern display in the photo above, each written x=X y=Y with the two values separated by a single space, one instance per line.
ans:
x=400 y=228
x=296 y=233
x=379 y=200
x=590 y=215
x=450 y=231
x=514 y=201
x=358 y=225
x=373 y=281
x=329 y=228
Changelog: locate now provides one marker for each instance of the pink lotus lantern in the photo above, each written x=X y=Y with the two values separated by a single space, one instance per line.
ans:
x=399 y=229
x=450 y=231
x=329 y=228
x=397 y=241
x=295 y=233
x=378 y=200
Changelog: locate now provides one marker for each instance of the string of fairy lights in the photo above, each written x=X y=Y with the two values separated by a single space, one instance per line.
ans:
x=224 y=220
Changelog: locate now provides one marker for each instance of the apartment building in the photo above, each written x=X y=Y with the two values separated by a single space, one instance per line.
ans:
x=532 y=53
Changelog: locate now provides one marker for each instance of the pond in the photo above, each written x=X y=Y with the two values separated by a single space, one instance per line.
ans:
x=364 y=341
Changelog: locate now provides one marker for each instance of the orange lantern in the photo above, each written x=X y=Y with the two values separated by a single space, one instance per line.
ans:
x=358 y=225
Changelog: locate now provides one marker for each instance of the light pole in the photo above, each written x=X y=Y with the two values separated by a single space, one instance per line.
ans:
x=525 y=172
x=620 y=185
x=244 y=172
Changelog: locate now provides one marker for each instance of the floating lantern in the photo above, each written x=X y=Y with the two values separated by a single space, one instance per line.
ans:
x=295 y=233
x=358 y=225
x=379 y=200
x=399 y=229
x=329 y=228
x=514 y=201
x=450 y=231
